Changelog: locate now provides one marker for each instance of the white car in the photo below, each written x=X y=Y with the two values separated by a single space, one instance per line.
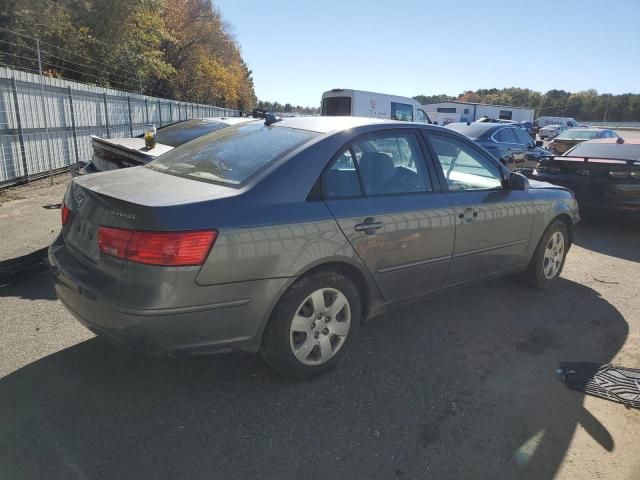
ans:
x=550 y=131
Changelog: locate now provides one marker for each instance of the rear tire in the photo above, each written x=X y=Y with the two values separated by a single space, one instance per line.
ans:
x=313 y=325
x=548 y=260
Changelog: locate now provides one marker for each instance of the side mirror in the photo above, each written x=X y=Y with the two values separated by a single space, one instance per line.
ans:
x=518 y=181
x=539 y=143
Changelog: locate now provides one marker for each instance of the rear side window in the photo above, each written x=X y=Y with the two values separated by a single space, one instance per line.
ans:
x=379 y=165
x=231 y=155
x=401 y=111
x=336 y=106
x=506 y=135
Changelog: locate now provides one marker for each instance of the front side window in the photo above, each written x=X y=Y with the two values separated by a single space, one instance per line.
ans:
x=522 y=137
x=401 y=111
x=421 y=116
x=231 y=155
x=379 y=165
x=464 y=167
x=506 y=135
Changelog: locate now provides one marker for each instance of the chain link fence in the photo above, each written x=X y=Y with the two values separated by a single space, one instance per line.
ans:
x=47 y=127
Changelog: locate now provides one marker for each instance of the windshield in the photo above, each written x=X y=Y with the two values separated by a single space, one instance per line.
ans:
x=578 y=134
x=183 y=132
x=624 y=151
x=231 y=155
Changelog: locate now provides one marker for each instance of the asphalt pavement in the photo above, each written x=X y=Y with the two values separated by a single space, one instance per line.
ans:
x=462 y=386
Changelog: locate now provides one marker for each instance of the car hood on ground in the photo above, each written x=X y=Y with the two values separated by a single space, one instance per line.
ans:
x=136 y=146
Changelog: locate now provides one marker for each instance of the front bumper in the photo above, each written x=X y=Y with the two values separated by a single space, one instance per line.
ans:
x=234 y=320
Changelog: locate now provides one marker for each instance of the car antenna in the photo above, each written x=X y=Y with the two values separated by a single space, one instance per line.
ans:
x=270 y=119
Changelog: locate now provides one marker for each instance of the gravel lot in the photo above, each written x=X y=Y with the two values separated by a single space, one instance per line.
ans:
x=462 y=386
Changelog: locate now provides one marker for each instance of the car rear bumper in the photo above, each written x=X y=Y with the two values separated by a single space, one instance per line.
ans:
x=234 y=320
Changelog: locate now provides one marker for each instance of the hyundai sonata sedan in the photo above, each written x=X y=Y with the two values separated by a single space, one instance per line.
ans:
x=284 y=237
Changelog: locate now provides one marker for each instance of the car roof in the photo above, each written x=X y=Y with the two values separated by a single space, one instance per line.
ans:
x=632 y=141
x=480 y=128
x=329 y=124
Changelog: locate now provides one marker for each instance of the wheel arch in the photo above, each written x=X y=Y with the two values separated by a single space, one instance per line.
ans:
x=357 y=273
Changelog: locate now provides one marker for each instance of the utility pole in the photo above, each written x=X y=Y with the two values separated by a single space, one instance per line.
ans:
x=606 y=107
x=46 y=118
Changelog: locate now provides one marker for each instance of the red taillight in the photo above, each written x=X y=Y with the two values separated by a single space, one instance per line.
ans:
x=64 y=214
x=175 y=249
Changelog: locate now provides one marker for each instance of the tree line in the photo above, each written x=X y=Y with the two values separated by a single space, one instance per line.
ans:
x=587 y=105
x=180 y=49
x=287 y=108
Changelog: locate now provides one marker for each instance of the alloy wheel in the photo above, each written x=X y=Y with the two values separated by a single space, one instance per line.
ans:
x=320 y=326
x=553 y=255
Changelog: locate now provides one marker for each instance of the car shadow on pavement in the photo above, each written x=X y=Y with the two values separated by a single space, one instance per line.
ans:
x=462 y=386
x=34 y=287
x=615 y=236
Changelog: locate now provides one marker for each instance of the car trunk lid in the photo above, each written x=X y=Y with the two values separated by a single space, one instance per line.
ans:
x=139 y=199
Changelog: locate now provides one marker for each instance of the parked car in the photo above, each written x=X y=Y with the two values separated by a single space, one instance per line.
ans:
x=340 y=101
x=570 y=138
x=114 y=153
x=604 y=173
x=507 y=142
x=284 y=238
x=550 y=131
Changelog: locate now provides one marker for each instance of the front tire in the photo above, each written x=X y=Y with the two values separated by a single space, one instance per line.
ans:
x=313 y=325
x=548 y=260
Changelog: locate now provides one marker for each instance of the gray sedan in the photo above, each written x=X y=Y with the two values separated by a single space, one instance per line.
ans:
x=284 y=237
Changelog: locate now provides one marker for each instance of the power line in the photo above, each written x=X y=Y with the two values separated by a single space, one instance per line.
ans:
x=74 y=53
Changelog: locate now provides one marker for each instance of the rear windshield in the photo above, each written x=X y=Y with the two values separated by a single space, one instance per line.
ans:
x=183 y=132
x=231 y=155
x=624 y=151
x=578 y=134
x=336 y=106
x=473 y=131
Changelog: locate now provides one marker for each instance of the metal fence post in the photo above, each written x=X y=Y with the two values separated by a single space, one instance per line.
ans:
x=130 y=118
x=73 y=123
x=160 y=112
x=23 y=151
x=170 y=112
x=46 y=117
x=106 y=114
x=146 y=107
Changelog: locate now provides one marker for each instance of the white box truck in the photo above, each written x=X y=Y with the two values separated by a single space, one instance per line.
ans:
x=358 y=103
x=564 y=122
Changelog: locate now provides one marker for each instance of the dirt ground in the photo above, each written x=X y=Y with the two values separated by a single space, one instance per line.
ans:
x=462 y=386
x=30 y=216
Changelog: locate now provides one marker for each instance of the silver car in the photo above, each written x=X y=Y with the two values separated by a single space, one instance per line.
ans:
x=284 y=237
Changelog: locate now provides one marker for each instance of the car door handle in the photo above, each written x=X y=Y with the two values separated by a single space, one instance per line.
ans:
x=369 y=226
x=468 y=215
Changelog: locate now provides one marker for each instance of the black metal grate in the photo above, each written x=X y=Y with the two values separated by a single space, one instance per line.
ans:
x=618 y=384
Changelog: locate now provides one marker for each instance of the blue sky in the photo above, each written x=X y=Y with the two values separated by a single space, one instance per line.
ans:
x=299 y=49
